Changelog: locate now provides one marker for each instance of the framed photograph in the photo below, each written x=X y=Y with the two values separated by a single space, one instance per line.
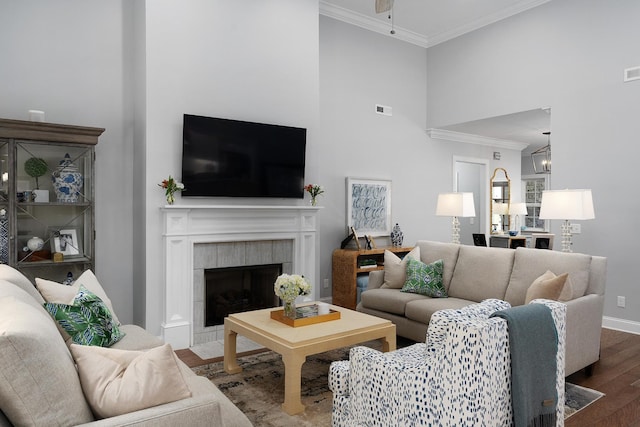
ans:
x=355 y=237
x=66 y=242
x=369 y=206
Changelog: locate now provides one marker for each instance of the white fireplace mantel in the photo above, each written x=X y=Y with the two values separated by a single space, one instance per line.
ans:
x=185 y=225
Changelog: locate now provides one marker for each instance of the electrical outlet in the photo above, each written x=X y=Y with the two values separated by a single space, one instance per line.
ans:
x=622 y=302
x=326 y=283
x=576 y=228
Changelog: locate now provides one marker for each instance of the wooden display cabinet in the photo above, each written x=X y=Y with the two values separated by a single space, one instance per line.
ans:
x=347 y=266
x=47 y=197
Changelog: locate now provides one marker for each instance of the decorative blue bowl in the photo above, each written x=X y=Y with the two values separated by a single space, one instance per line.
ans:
x=513 y=233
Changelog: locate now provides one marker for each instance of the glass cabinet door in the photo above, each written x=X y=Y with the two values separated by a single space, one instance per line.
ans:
x=5 y=211
x=54 y=208
x=47 y=198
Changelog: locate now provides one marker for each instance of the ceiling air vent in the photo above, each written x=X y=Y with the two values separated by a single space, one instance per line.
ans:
x=631 y=74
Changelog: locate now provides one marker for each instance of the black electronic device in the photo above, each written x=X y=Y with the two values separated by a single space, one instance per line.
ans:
x=232 y=158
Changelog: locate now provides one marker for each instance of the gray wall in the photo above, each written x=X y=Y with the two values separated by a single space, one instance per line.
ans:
x=569 y=55
x=115 y=64
x=358 y=69
x=71 y=59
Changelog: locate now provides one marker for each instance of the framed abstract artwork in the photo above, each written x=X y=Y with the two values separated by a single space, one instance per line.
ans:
x=369 y=206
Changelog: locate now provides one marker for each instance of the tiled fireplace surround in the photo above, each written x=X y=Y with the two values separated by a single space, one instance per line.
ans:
x=230 y=254
x=200 y=237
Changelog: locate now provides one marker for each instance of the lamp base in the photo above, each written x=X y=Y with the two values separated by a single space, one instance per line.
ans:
x=455 y=230
x=566 y=236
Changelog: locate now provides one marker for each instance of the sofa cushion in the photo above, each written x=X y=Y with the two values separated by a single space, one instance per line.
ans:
x=136 y=338
x=395 y=268
x=550 y=286
x=39 y=384
x=59 y=293
x=11 y=289
x=87 y=320
x=14 y=276
x=422 y=310
x=529 y=264
x=481 y=273
x=388 y=300
x=425 y=279
x=117 y=382
x=447 y=252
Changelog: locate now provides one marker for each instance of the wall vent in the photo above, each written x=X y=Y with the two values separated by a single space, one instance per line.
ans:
x=631 y=74
x=384 y=110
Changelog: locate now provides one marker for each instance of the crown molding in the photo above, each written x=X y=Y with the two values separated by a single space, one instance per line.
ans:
x=521 y=6
x=448 y=135
x=372 y=24
x=369 y=23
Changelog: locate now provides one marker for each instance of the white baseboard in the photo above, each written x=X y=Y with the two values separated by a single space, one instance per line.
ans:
x=621 y=325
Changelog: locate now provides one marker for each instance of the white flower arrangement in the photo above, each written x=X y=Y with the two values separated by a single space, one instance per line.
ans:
x=289 y=286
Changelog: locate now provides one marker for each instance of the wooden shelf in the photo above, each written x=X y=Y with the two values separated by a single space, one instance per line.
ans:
x=345 y=271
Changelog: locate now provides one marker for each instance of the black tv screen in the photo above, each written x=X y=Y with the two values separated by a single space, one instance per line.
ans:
x=222 y=157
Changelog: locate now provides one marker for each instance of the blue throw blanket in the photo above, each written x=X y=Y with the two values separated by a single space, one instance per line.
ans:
x=534 y=345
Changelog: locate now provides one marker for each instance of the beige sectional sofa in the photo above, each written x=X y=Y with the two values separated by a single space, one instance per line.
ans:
x=472 y=274
x=40 y=386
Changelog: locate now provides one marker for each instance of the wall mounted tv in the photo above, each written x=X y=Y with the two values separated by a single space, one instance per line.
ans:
x=222 y=157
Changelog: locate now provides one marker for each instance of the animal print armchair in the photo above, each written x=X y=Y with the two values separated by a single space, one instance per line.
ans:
x=461 y=375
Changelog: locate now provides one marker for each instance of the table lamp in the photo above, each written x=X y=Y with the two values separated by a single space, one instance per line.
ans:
x=567 y=205
x=455 y=205
x=517 y=209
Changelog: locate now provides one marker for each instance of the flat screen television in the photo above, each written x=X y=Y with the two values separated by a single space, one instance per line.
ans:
x=232 y=158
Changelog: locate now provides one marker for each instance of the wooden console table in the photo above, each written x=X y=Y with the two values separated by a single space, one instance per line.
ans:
x=506 y=241
x=346 y=267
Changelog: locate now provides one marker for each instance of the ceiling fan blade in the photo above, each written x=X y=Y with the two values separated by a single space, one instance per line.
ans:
x=383 y=5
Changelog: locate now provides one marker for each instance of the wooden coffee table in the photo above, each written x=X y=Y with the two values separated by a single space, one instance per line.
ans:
x=295 y=344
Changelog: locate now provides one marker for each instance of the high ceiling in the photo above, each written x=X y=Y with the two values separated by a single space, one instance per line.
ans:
x=426 y=22
x=429 y=22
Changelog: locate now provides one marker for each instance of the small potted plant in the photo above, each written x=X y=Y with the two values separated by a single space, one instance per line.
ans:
x=35 y=167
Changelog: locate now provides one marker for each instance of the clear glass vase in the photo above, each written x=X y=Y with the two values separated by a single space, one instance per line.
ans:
x=290 y=309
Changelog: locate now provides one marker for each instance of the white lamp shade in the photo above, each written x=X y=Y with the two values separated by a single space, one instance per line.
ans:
x=567 y=204
x=455 y=204
x=518 y=209
x=500 y=208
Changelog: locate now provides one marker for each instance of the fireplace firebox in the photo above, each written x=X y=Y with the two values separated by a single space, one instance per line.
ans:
x=236 y=289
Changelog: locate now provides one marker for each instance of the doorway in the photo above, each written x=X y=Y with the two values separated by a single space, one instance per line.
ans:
x=472 y=175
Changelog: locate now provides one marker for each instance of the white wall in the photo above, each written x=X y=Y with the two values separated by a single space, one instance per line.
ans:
x=249 y=60
x=568 y=55
x=70 y=59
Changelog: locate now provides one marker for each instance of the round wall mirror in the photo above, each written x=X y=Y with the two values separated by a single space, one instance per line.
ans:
x=499 y=201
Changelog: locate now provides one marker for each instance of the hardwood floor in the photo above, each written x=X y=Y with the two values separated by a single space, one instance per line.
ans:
x=618 y=375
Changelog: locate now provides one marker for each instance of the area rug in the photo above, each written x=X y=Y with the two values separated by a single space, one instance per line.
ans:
x=577 y=398
x=258 y=390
